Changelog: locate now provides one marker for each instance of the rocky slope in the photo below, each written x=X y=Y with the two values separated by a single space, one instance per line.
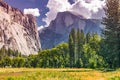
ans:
x=18 y=31
x=59 y=29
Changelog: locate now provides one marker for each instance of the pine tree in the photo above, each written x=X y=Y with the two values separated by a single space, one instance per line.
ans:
x=71 y=50
x=80 y=42
x=72 y=47
x=88 y=36
x=78 y=48
x=112 y=32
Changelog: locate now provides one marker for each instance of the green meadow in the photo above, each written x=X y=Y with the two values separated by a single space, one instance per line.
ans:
x=57 y=74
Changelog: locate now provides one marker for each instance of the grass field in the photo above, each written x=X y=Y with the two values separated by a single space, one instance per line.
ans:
x=56 y=74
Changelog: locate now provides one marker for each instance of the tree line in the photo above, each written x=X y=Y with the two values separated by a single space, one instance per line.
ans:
x=84 y=50
x=80 y=51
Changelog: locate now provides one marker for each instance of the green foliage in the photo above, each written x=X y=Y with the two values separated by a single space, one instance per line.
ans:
x=79 y=44
x=55 y=57
x=72 y=48
x=85 y=50
x=81 y=51
x=10 y=58
x=112 y=34
x=16 y=78
x=115 y=78
x=18 y=62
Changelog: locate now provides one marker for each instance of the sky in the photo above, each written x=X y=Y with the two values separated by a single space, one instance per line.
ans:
x=46 y=10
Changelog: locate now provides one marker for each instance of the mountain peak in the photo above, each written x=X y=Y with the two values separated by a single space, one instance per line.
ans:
x=59 y=29
x=69 y=13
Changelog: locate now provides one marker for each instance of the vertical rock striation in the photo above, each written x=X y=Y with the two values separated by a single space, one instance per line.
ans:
x=18 y=31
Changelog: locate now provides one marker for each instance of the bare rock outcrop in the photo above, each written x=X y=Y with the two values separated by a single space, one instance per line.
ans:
x=18 y=31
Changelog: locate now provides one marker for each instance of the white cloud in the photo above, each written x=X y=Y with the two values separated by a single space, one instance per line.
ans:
x=56 y=6
x=34 y=12
x=86 y=8
x=91 y=5
x=41 y=27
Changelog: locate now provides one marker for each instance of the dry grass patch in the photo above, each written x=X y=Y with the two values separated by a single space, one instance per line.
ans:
x=56 y=74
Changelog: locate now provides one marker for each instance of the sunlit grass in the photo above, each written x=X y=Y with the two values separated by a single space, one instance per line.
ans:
x=56 y=74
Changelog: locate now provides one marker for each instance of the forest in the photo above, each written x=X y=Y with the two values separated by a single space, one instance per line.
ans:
x=81 y=51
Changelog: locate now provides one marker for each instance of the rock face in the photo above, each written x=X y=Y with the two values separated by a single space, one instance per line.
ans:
x=18 y=31
x=59 y=29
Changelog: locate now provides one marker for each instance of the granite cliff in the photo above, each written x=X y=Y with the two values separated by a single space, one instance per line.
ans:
x=18 y=31
x=59 y=29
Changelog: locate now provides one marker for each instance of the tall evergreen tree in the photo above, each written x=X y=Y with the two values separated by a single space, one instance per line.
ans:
x=80 y=41
x=88 y=36
x=71 y=50
x=78 y=48
x=72 y=47
x=112 y=32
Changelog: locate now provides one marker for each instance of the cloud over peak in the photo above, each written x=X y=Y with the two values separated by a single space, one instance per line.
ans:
x=33 y=11
x=56 y=6
x=89 y=8
x=91 y=5
x=86 y=8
